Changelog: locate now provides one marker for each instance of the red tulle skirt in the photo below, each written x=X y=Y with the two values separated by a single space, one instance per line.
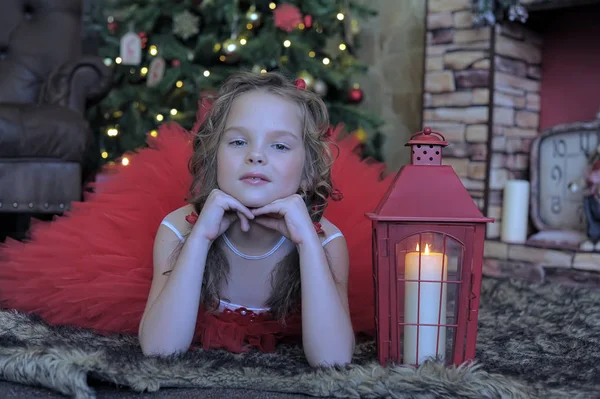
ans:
x=93 y=267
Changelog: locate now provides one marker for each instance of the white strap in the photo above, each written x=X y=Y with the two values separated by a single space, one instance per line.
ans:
x=173 y=229
x=332 y=237
x=234 y=306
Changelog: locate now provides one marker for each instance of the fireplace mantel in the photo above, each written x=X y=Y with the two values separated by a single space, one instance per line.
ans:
x=539 y=5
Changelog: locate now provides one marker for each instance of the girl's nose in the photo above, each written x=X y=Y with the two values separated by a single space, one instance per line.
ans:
x=255 y=157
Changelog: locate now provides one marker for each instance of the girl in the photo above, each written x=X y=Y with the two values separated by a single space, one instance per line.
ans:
x=249 y=260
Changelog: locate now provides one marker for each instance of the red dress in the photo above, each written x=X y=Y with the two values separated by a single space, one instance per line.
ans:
x=93 y=267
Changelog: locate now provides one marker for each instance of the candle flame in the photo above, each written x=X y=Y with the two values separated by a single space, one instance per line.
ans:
x=426 y=252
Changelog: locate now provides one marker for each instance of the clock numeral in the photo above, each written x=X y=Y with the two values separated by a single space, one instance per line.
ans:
x=559 y=148
x=585 y=143
x=580 y=214
x=556 y=174
x=555 y=205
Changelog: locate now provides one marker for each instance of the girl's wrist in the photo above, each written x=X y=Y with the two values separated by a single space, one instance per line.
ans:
x=198 y=237
x=310 y=242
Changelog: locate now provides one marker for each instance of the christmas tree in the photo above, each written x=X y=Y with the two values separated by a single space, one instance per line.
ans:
x=168 y=54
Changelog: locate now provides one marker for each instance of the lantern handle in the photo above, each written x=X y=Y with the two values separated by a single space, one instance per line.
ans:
x=427 y=131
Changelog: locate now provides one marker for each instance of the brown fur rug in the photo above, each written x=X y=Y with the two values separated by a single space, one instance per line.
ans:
x=534 y=341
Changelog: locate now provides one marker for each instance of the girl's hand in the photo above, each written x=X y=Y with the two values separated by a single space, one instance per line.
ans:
x=288 y=216
x=219 y=212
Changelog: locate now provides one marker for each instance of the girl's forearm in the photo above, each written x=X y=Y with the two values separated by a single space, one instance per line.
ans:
x=327 y=334
x=169 y=324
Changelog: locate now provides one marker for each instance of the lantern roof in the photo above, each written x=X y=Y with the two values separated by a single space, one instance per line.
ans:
x=428 y=193
x=427 y=137
x=426 y=190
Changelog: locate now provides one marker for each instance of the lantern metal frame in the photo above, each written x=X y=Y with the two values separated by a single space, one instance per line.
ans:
x=427 y=197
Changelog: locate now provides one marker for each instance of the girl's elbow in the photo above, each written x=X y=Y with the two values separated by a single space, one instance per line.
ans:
x=339 y=353
x=152 y=349
x=162 y=352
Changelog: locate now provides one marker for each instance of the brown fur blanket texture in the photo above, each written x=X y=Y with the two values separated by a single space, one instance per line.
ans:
x=533 y=341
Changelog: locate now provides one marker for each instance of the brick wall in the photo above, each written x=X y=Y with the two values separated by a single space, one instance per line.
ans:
x=457 y=89
x=515 y=118
x=482 y=89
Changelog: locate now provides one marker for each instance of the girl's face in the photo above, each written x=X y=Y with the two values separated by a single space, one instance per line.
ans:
x=261 y=153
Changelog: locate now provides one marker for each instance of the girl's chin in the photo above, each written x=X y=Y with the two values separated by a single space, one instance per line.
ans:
x=257 y=202
x=253 y=203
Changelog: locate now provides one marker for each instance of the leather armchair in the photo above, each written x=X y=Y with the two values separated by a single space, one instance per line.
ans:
x=45 y=86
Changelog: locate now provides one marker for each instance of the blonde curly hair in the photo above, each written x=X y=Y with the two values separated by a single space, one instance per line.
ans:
x=316 y=189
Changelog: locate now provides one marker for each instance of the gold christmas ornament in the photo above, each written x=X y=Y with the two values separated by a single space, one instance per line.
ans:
x=308 y=79
x=231 y=50
x=354 y=27
x=361 y=134
x=254 y=17
x=230 y=46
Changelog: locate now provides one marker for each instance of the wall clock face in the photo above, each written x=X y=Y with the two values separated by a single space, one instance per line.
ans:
x=559 y=158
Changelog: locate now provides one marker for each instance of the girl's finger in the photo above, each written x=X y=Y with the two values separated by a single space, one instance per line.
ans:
x=241 y=208
x=235 y=205
x=269 y=208
x=244 y=224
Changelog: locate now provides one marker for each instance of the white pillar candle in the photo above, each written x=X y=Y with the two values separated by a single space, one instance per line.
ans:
x=427 y=303
x=515 y=211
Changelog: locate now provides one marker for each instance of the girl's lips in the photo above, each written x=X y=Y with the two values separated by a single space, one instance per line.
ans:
x=254 y=181
x=255 y=175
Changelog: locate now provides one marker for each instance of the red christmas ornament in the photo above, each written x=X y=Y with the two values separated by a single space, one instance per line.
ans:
x=113 y=26
x=300 y=84
x=308 y=21
x=355 y=95
x=175 y=63
x=144 y=39
x=287 y=17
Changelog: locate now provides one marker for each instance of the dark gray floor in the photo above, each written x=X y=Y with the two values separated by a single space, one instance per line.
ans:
x=9 y=390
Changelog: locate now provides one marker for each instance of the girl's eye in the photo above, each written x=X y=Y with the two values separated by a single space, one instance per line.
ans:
x=280 y=147
x=237 y=143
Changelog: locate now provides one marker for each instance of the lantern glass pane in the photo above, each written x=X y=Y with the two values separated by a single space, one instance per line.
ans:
x=428 y=271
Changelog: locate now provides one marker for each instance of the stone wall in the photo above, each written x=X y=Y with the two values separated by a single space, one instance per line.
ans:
x=482 y=90
x=515 y=119
x=457 y=89
x=392 y=44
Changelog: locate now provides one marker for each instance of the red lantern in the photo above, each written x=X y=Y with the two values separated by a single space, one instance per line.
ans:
x=428 y=238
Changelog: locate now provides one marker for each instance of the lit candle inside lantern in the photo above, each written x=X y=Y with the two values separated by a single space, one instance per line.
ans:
x=427 y=302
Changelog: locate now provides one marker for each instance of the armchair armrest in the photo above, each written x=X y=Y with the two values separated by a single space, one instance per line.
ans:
x=76 y=83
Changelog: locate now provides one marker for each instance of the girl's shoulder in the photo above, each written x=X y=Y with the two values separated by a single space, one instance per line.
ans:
x=177 y=222
x=330 y=230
